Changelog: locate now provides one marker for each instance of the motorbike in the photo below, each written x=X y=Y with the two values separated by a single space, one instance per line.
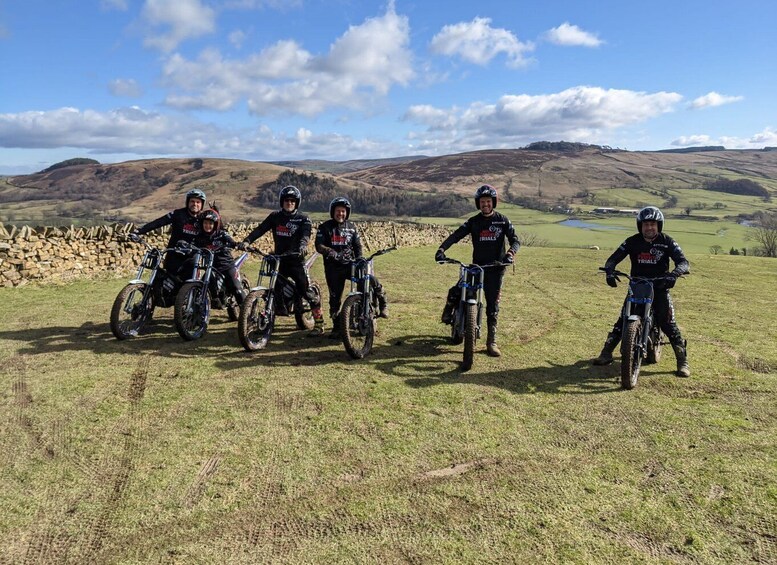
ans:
x=358 y=316
x=134 y=306
x=468 y=315
x=279 y=297
x=205 y=289
x=642 y=336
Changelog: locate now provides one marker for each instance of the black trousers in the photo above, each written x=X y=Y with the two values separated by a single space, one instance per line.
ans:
x=336 y=278
x=295 y=270
x=664 y=313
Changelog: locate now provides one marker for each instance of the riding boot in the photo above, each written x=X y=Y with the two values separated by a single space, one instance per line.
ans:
x=605 y=357
x=335 y=334
x=382 y=304
x=491 y=347
x=681 y=352
x=318 y=323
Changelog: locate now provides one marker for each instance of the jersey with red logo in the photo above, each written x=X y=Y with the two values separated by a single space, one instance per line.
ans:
x=650 y=258
x=489 y=234
x=290 y=232
x=338 y=238
x=184 y=226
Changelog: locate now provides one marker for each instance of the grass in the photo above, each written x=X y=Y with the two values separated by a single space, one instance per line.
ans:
x=158 y=450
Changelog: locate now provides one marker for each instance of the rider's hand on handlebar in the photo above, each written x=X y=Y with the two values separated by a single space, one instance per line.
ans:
x=509 y=259
x=440 y=255
x=332 y=254
x=612 y=279
x=135 y=236
x=243 y=245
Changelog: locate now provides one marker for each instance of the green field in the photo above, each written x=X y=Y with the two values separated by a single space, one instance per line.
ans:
x=155 y=450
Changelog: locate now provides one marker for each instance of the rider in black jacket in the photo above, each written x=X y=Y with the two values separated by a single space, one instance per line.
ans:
x=184 y=227
x=291 y=233
x=488 y=231
x=338 y=241
x=650 y=251
x=214 y=238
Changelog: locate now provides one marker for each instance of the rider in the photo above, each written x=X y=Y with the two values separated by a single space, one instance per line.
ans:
x=184 y=227
x=338 y=241
x=488 y=231
x=213 y=237
x=650 y=251
x=291 y=233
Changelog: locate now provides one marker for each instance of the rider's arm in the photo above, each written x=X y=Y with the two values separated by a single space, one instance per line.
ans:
x=260 y=230
x=306 y=228
x=461 y=232
x=356 y=243
x=512 y=239
x=618 y=255
x=165 y=220
x=681 y=264
x=320 y=239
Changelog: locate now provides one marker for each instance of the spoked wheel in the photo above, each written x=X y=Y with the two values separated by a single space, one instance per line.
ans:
x=631 y=359
x=256 y=321
x=654 y=345
x=130 y=312
x=470 y=335
x=192 y=311
x=303 y=314
x=358 y=330
x=233 y=308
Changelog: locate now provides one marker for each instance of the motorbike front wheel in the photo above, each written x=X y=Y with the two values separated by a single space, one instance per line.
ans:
x=631 y=355
x=357 y=329
x=470 y=335
x=130 y=311
x=256 y=321
x=654 y=345
x=192 y=311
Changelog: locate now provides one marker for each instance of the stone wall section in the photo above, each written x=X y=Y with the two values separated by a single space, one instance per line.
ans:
x=48 y=254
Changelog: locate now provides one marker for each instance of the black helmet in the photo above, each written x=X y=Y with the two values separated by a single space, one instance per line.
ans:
x=650 y=214
x=485 y=190
x=195 y=193
x=340 y=201
x=290 y=192
x=214 y=217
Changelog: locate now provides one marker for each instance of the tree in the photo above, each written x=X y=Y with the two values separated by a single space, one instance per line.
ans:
x=765 y=233
x=715 y=249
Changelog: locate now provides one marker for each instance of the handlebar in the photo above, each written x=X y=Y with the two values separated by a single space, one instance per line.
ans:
x=381 y=252
x=468 y=265
x=637 y=278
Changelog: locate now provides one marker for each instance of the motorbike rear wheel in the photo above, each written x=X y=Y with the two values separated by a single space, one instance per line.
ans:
x=470 y=335
x=631 y=358
x=130 y=312
x=192 y=311
x=357 y=330
x=233 y=308
x=256 y=321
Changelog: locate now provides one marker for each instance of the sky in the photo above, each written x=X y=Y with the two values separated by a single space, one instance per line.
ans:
x=268 y=80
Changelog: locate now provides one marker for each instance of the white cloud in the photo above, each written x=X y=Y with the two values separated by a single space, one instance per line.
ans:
x=581 y=113
x=478 y=42
x=125 y=87
x=692 y=141
x=361 y=65
x=765 y=138
x=134 y=131
x=184 y=18
x=570 y=35
x=713 y=99
x=236 y=38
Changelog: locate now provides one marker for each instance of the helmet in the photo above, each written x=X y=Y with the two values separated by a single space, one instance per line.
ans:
x=195 y=193
x=650 y=214
x=213 y=216
x=485 y=190
x=340 y=201
x=290 y=192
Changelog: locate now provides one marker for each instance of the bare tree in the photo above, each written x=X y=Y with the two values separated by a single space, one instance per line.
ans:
x=765 y=233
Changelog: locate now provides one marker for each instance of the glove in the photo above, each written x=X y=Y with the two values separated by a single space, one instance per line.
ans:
x=345 y=256
x=509 y=259
x=669 y=281
x=332 y=254
x=612 y=279
x=243 y=245
x=135 y=236
x=439 y=256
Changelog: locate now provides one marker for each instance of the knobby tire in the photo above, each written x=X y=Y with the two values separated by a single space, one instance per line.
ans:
x=470 y=335
x=255 y=324
x=129 y=315
x=358 y=333
x=190 y=319
x=631 y=360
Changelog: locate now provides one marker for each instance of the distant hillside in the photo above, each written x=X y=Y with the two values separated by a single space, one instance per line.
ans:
x=544 y=177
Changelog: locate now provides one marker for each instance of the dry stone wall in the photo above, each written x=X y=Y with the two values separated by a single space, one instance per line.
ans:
x=48 y=254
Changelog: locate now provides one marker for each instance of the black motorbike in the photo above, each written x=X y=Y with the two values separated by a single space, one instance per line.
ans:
x=468 y=315
x=205 y=289
x=642 y=335
x=279 y=297
x=359 y=314
x=134 y=305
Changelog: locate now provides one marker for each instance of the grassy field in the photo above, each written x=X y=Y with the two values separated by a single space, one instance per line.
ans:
x=155 y=450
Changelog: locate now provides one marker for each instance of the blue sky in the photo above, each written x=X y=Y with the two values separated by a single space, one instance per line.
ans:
x=266 y=80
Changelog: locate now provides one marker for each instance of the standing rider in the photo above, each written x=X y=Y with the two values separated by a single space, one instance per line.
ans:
x=184 y=222
x=214 y=238
x=338 y=241
x=291 y=232
x=650 y=251
x=488 y=231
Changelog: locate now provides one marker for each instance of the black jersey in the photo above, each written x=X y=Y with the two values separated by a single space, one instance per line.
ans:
x=489 y=234
x=184 y=226
x=338 y=237
x=650 y=258
x=290 y=232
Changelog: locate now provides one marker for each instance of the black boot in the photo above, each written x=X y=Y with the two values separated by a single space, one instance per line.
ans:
x=382 y=304
x=335 y=334
x=491 y=347
x=681 y=352
x=605 y=357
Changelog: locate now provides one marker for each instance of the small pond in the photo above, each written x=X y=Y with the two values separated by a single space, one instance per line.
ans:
x=571 y=223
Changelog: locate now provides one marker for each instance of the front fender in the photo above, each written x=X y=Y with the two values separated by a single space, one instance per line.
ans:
x=259 y=288
x=635 y=318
